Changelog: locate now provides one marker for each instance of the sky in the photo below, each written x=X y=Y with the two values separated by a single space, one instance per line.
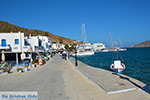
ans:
x=128 y=20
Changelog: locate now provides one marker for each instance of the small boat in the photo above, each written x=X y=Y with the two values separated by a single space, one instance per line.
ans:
x=117 y=65
x=105 y=50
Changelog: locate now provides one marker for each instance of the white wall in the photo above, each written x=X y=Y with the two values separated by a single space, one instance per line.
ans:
x=62 y=46
x=10 y=39
x=45 y=41
x=33 y=41
x=55 y=46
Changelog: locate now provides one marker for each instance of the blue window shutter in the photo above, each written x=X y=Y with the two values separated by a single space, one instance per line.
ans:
x=3 y=43
x=16 y=41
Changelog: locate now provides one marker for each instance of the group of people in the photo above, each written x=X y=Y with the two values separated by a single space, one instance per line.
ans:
x=65 y=55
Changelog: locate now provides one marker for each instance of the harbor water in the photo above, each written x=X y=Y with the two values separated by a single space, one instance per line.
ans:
x=137 y=61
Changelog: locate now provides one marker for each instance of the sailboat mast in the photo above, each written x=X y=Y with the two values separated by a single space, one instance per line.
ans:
x=82 y=32
x=111 y=42
x=117 y=53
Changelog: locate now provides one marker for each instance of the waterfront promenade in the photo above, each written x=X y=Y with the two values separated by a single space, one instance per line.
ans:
x=59 y=80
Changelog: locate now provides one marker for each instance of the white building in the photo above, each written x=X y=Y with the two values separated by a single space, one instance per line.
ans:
x=55 y=46
x=61 y=46
x=15 y=43
x=46 y=42
x=39 y=43
x=32 y=41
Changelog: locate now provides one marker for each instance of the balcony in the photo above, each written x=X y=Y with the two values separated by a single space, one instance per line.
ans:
x=4 y=47
x=27 y=44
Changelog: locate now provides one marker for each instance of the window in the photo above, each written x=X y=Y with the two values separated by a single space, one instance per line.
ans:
x=16 y=41
x=4 y=43
x=26 y=43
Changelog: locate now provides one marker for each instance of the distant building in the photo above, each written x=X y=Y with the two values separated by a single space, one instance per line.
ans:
x=55 y=46
x=46 y=42
x=61 y=46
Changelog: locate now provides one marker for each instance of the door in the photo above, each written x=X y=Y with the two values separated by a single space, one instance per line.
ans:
x=3 y=43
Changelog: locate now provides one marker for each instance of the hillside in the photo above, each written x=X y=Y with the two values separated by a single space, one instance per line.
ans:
x=143 y=44
x=6 y=27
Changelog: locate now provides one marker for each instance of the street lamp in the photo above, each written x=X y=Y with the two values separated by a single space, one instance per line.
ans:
x=76 y=64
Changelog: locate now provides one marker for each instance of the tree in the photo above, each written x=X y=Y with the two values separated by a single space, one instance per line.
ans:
x=53 y=42
x=46 y=34
x=36 y=32
x=60 y=41
x=71 y=48
x=62 y=49
x=66 y=46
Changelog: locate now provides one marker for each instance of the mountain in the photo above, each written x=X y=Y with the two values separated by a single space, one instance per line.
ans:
x=143 y=44
x=6 y=27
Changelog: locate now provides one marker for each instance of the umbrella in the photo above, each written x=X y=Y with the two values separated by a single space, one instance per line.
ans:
x=3 y=56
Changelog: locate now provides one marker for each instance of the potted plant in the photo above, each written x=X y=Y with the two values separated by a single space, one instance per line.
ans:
x=6 y=70
x=49 y=56
x=30 y=65
x=36 y=61
x=33 y=65
x=19 y=70
x=26 y=68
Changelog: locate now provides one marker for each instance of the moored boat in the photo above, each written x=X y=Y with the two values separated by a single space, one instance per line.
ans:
x=117 y=66
x=85 y=48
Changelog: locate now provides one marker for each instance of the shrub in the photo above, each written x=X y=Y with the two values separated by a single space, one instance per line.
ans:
x=6 y=70
x=35 y=60
x=62 y=49
x=26 y=65
x=46 y=34
x=19 y=69
x=42 y=53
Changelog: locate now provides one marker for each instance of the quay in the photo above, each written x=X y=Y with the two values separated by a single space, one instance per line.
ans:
x=59 y=79
x=110 y=82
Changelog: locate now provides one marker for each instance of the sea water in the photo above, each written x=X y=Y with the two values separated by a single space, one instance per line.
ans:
x=137 y=61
